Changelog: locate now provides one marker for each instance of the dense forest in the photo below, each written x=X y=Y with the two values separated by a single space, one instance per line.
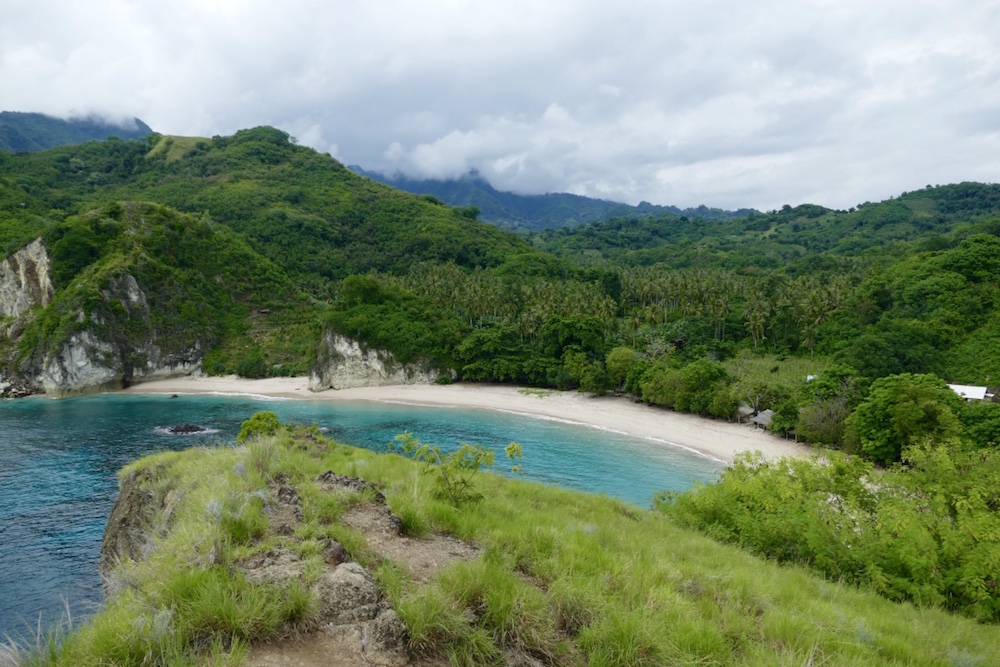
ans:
x=845 y=325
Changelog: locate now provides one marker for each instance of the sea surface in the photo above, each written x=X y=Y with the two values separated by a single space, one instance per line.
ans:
x=58 y=460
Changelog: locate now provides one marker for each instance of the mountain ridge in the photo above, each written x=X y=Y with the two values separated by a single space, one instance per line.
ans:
x=28 y=132
x=510 y=210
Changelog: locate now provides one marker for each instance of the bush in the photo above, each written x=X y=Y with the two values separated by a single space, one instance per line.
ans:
x=260 y=424
x=929 y=533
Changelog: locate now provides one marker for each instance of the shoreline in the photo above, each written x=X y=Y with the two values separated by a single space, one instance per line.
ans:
x=715 y=439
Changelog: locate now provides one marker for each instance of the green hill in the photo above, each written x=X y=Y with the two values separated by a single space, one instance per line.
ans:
x=928 y=219
x=29 y=132
x=298 y=222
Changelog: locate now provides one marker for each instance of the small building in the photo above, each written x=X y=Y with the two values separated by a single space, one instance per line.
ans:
x=971 y=393
x=762 y=419
x=744 y=413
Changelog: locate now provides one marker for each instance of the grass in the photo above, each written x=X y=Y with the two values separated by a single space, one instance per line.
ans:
x=770 y=369
x=174 y=147
x=566 y=578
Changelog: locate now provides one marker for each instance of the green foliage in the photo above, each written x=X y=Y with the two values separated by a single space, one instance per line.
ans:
x=619 y=362
x=515 y=453
x=981 y=421
x=259 y=425
x=701 y=387
x=454 y=472
x=386 y=317
x=927 y=533
x=901 y=411
x=785 y=417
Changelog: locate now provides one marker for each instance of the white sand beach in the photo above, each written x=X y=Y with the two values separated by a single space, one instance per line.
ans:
x=721 y=440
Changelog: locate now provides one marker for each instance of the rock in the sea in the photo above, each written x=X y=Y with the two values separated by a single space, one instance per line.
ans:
x=185 y=429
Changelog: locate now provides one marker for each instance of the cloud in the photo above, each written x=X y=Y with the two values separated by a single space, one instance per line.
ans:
x=718 y=102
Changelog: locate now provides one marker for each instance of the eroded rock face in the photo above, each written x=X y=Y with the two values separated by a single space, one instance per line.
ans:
x=381 y=641
x=355 y=623
x=103 y=357
x=130 y=528
x=343 y=364
x=25 y=281
x=85 y=362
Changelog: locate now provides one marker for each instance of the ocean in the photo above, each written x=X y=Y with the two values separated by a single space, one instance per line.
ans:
x=58 y=460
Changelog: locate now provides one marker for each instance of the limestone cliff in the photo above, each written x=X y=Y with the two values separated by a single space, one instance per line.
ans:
x=117 y=346
x=342 y=364
x=106 y=340
x=25 y=281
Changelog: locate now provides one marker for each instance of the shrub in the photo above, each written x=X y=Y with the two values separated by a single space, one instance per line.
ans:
x=260 y=424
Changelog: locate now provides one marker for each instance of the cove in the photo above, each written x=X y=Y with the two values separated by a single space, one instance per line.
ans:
x=58 y=460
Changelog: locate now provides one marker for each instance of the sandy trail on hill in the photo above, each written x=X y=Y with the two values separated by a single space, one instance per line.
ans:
x=718 y=439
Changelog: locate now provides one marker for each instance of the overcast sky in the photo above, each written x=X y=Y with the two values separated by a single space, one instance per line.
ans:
x=727 y=103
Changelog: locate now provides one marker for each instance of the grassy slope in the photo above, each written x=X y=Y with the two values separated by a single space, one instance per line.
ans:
x=567 y=577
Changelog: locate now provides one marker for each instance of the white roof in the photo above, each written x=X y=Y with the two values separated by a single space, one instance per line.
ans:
x=968 y=392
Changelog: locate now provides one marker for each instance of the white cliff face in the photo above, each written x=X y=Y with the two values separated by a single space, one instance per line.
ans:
x=84 y=363
x=25 y=281
x=90 y=361
x=346 y=365
x=115 y=348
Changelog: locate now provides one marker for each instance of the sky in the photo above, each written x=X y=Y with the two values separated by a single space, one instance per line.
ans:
x=726 y=103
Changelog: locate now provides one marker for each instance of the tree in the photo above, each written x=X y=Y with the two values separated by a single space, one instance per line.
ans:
x=699 y=381
x=903 y=410
x=618 y=363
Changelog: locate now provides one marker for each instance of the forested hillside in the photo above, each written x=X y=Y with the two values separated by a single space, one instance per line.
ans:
x=300 y=213
x=29 y=132
x=927 y=219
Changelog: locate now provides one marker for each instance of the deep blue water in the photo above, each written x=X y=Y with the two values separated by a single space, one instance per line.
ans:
x=58 y=461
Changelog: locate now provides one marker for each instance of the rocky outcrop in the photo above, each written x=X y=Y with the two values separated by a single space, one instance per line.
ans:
x=114 y=346
x=136 y=517
x=87 y=363
x=353 y=617
x=342 y=363
x=25 y=281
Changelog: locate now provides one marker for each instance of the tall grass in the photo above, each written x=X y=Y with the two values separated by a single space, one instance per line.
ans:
x=564 y=578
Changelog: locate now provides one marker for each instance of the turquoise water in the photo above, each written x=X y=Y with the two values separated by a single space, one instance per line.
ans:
x=58 y=461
